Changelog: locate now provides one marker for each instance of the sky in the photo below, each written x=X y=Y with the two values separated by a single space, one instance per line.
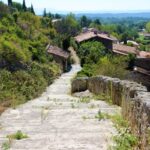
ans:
x=88 y=5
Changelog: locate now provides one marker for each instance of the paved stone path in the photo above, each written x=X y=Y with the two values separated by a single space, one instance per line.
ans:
x=58 y=121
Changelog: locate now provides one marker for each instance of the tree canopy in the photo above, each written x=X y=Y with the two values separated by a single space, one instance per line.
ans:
x=24 y=7
x=84 y=21
x=90 y=52
x=10 y=3
x=148 y=27
x=32 y=9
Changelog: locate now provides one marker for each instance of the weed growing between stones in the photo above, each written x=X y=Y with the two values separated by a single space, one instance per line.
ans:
x=17 y=136
x=103 y=97
x=92 y=106
x=101 y=116
x=124 y=140
x=85 y=100
x=85 y=117
x=44 y=113
x=73 y=105
x=6 y=145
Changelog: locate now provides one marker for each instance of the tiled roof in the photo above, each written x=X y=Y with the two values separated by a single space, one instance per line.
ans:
x=124 y=50
x=146 y=34
x=57 y=51
x=105 y=36
x=89 y=35
x=85 y=36
x=143 y=54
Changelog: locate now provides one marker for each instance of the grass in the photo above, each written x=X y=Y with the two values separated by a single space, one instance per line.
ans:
x=85 y=117
x=85 y=100
x=124 y=140
x=17 y=136
x=6 y=145
x=103 y=97
x=73 y=105
x=101 y=116
x=92 y=106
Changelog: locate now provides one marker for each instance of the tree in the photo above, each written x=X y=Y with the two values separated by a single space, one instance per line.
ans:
x=44 y=13
x=32 y=9
x=68 y=26
x=148 y=27
x=124 y=37
x=4 y=10
x=50 y=15
x=24 y=6
x=9 y=2
x=17 y=6
x=84 y=21
x=90 y=52
x=15 y=15
x=57 y=16
x=96 y=24
x=97 y=21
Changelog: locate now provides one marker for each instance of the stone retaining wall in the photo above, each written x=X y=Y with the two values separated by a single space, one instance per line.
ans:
x=131 y=96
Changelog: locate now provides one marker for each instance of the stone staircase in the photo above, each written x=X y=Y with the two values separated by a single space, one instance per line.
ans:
x=58 y=121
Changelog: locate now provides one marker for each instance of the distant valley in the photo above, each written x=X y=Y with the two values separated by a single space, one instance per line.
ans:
x=115 y=15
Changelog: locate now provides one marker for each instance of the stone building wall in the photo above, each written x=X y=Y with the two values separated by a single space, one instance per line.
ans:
x=131 y=96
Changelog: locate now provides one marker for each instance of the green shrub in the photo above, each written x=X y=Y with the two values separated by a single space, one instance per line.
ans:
x=25 y=67
x=86 y=71
x=111 y=66
x=108 y=66
x=22 y=85
x=125 y=140
x=90 y=52
x=6 y=145
x=17 y=136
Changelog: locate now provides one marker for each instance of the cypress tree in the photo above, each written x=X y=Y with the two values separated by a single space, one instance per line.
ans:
x=44 y=13
x=32 y=9
x=9 y=2
x=24 y=6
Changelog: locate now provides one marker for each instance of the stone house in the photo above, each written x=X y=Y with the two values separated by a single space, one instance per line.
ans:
x=60 y=56
x=94 y=35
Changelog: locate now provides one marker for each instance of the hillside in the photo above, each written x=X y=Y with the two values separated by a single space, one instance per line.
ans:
x=25 y=68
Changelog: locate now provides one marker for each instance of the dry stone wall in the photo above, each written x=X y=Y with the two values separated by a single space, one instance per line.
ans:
x=131 y=96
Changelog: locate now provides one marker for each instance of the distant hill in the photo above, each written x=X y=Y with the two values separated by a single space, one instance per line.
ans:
x=115 y=15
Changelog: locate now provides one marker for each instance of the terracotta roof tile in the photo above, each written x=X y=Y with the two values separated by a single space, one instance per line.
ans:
x=58 y=52
x=85 y=36
x=124 y=50
x=143 y=54
x=90 y=34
